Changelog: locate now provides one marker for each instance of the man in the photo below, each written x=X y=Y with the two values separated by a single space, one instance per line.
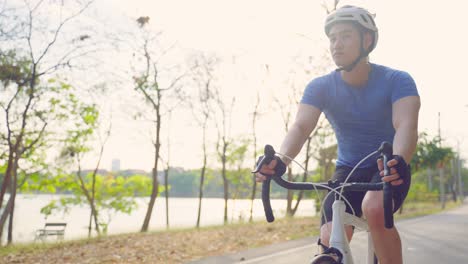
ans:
x=366 y=104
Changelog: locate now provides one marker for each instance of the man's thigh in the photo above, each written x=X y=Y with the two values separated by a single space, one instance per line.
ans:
x=354 y=199
x=399 y=192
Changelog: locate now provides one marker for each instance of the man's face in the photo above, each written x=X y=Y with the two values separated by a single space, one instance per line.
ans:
x=344 y=43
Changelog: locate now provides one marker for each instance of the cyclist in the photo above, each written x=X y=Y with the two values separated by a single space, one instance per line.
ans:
x=366 y=104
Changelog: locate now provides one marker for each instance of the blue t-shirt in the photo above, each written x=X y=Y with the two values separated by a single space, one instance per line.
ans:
x=360 y=116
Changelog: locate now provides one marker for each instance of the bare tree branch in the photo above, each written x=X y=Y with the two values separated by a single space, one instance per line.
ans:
x=62 y=63
x=59 y=28
x=36 y=140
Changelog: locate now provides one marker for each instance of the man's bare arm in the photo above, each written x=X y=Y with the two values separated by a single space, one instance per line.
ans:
x=306 y=120
x=405 y=122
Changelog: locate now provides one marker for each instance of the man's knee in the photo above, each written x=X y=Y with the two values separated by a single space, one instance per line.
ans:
x=372 y=209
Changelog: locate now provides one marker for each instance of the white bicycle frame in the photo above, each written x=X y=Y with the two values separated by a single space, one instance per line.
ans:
x=338 y=238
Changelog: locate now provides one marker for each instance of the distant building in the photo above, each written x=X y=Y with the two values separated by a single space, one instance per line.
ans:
x=115 y=165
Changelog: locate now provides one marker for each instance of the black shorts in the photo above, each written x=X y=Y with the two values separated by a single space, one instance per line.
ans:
x=355 y=198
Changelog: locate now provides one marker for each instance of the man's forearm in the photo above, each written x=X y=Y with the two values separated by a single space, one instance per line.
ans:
x=293 y=142
x=405 y=121
x=404 y=142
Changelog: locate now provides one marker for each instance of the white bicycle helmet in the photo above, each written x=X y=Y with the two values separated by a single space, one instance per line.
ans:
x=358 y=16
x=353 y=14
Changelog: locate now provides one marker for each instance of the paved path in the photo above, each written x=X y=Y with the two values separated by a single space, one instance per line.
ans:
x=433 y=239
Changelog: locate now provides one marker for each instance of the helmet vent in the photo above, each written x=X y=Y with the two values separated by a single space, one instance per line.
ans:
x=372 y=21
x=364 y=18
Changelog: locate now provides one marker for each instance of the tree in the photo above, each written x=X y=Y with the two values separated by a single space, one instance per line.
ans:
x=286 y=113
x=9 y=28
x=255 y=114
x=224 y=139
x=148 y=83
x=203 y=76
x=76 y=146
x=431 y=154
x=239 y=177
x=167 y=170
x=28 y=104
x=116 y=194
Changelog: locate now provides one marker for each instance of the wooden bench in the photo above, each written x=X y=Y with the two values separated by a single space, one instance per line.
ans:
x=51 y=229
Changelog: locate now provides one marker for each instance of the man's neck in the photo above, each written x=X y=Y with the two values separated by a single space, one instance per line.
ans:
x=359 y=75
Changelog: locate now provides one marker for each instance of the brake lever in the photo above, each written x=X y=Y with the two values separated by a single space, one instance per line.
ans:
x=269 y=155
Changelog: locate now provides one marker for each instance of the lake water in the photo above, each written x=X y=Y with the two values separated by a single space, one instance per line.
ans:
x=182 y=213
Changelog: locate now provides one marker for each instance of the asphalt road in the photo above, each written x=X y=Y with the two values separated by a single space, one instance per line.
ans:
x=433 y=239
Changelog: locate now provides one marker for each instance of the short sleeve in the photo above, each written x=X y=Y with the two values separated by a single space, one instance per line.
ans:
x=316 y=94
x=403 y=86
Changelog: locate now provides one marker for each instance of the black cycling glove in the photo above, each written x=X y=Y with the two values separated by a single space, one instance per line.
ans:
x=402 y=167
x=280 y=168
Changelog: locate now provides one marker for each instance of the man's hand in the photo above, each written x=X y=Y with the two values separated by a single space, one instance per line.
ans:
x=399 y=170
x=275 y=167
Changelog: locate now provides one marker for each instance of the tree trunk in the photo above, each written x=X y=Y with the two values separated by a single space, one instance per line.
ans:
x=10 y=225
x=202 y=178
x=166 y=172
x=166 y=185
x=12 y=210
x=453 y=181
x=226 y=187
x=200 y=195
x=7 y=178
x=93 y=211
x=225 y=181
x=88 y=197
x=154 y=194
x=252 y=198
x=442 y=187
x=155 y=191
x=460 y=179
x=93 y=215
x=304 y=176
x=429 y=178
x=5 y=213
x=90 y=223
x=93 y=195
x=254 y=135
x=11 y=185
x=96 y=219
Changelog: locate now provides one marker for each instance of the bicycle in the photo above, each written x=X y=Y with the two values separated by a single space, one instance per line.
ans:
x=338 y=239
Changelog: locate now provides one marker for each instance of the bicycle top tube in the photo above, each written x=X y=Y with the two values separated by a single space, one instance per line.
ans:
x=386 y=151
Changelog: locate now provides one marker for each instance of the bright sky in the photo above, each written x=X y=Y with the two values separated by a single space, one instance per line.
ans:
x=425 y=38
